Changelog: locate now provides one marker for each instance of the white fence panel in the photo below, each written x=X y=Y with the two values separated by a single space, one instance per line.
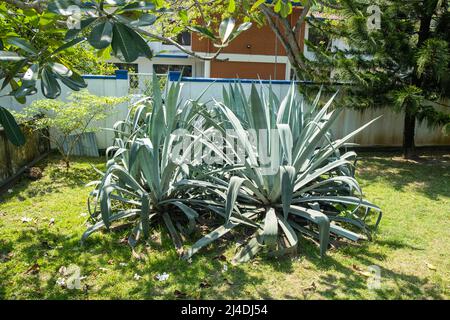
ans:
x=114 y=86
x=387 y=131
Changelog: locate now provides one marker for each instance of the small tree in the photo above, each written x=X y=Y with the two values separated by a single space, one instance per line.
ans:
x=69 y=118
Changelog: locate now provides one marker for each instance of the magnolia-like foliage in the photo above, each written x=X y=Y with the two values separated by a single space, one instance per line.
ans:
x=121 y=27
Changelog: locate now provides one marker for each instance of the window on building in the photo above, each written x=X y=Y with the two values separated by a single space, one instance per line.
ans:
x=165 y=68
x=131 y=67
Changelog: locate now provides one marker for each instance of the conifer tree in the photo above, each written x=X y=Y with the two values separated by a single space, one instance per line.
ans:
x=397 y=54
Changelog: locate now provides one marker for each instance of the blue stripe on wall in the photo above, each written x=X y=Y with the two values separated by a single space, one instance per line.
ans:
x=120 y=75
x=175 y=76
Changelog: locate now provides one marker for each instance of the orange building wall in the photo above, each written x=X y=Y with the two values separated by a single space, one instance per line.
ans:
x=247 y=70
x=256 y=40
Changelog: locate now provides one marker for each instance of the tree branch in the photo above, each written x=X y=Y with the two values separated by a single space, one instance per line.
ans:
x=302 y=17
x=179 y=46
x=270 y=16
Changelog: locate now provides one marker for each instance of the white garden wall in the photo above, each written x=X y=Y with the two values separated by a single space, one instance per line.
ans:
x=387 y=131
x=116 y=86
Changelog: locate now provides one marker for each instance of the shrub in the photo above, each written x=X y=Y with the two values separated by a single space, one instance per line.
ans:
x=311 y=191
x=67 y=118
x=141 y=173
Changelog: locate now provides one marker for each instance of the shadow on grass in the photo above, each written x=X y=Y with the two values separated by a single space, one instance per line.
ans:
x=55 y=176
x=429 y=174
x=202 y=278
x=352 y=281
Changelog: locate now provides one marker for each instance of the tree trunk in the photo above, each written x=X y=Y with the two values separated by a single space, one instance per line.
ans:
x=409 y=129
x=409 y=148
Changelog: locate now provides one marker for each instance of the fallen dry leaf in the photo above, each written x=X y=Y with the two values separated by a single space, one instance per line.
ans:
x=62 y=270
x=311 y=287
x=61 y=282
x=6 y=256
x=431 y=267
x=161 y=277
x=180 y=295
x=361 y=271
x=137 y=276
x=136 y=255
x=180 y=252
x=355 y=267
x=204 y=284
x=33 y=269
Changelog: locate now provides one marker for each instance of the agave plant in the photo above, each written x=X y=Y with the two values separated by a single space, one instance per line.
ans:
x=142 y=182
x=312 y=190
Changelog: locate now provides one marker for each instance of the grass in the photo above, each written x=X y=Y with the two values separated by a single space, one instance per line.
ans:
x=411 y=248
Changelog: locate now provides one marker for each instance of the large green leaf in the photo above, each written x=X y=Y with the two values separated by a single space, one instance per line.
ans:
x=145 y=214
x=12 y=129
x=49 y=85
x=74 y=82
x=139 y=5
x=128 y=45
x=203 y=31
x=320 y=219
x=10 y=56
x=23 y=44
x=120 y=215
x=101 y=35
x=123 y=43
x=248 y=251
x=287 y=187
x=29 y=80
x=226 y=28
x=61 y=6
x=73 y=33
x=209 y=238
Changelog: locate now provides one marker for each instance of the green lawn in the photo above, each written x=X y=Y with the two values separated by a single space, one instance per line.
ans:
x=412 y=247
